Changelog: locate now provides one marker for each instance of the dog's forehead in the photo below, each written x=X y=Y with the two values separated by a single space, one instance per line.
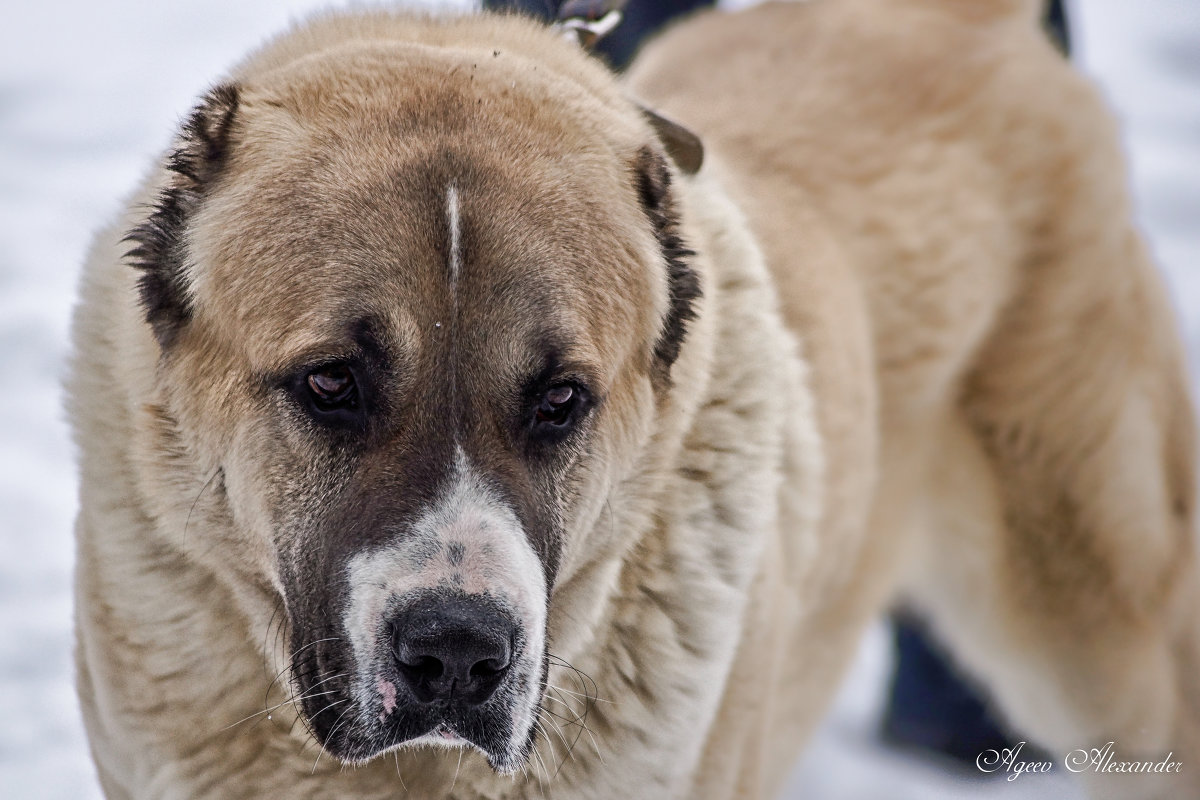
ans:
x=447 y=189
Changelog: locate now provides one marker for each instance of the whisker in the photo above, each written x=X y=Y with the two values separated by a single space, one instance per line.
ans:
x=329 y=706
x=543 y=771
x=216 y=471
x=293 y=699
x=457 y=767
x=581 y=728
x=585 y=680
x=576 y=721
x=396 y=758
x=296 y=677
x=570 y=708
x=587 y=697
x=269 y=710
x=337 y=724
x=579 y=721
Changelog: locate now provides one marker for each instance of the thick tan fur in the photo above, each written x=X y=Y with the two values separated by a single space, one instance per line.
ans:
x=932 y=359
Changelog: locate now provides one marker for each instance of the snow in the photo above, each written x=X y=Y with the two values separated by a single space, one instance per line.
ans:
x=89 y=92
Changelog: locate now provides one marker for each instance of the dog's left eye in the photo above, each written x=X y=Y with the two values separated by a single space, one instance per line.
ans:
x=332 y=385
x=558 y=410
x=556 y=406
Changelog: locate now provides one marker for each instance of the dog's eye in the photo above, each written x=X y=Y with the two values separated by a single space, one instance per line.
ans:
x=555 y=407
x=333 y=388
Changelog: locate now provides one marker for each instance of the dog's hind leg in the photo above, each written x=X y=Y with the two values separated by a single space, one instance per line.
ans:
x=1060 y=563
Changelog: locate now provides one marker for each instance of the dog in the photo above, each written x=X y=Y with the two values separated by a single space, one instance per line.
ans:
x=457 y=419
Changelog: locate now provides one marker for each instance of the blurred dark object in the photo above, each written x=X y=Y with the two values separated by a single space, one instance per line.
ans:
x=929 y=707
x=1055 y=23
x=642 y=18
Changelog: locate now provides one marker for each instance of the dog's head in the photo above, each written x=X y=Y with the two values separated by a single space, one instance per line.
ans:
x=418 y=306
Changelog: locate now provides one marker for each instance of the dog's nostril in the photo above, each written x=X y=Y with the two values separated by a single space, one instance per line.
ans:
x=488 y=667
x=422 y=666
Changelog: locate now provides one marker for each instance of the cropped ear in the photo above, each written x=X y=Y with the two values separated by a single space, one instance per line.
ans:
x=683 y=146
x=653 y=180
x=159 y=243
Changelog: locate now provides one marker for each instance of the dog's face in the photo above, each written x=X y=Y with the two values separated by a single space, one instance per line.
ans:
x=418 y=309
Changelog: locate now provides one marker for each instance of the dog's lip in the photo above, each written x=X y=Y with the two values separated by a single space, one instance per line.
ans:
x=443 y=734
x=446 y=731
x=443 y=731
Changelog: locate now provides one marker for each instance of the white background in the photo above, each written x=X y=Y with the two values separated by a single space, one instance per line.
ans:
x=90 y=92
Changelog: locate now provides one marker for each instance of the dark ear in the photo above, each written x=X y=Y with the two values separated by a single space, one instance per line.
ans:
x=159 y=243
x=683 y=146
x=654 y=188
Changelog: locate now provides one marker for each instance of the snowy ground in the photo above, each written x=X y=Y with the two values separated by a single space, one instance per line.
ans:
x=90 y=91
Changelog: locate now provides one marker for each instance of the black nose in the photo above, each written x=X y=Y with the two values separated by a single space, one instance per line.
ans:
x=453 y=648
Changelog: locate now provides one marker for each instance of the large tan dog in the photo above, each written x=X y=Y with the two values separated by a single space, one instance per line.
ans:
x=441 y=423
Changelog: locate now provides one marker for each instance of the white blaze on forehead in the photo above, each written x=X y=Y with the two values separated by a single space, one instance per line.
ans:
x=469 y=541
x=455 y=266
x=455 y=236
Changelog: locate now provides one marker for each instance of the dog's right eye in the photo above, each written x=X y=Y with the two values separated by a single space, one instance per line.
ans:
x=333 y=393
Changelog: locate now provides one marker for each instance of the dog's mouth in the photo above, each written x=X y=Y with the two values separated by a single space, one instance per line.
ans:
x=360 y=734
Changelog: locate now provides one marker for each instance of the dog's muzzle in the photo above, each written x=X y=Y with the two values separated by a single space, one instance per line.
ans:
x=444 y=633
